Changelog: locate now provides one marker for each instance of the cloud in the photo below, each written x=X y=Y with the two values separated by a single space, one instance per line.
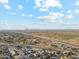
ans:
x=5 y=25
x=53 y=17
x=77 y=3
x=72 y=24
x=7 y=6
x=77 y=11
x=29 y=15
x=69 y=16
x=56 y=17
x=23 y=15
x=5 y=3
x=20 y=7
x=69 y=11
x=43 y=9
x=46 y=4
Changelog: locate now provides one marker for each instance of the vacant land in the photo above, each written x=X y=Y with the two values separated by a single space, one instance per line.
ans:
x=71 y=37
x=60 y=35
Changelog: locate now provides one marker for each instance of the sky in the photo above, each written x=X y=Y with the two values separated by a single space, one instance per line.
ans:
x=39 y=14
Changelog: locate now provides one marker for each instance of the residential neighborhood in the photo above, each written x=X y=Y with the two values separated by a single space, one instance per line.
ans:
x=13 y=49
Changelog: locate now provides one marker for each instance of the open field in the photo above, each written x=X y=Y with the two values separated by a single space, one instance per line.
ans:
x=71 y=37
x=60 y=35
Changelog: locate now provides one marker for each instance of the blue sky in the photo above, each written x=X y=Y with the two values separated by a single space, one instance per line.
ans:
x=39 y=14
